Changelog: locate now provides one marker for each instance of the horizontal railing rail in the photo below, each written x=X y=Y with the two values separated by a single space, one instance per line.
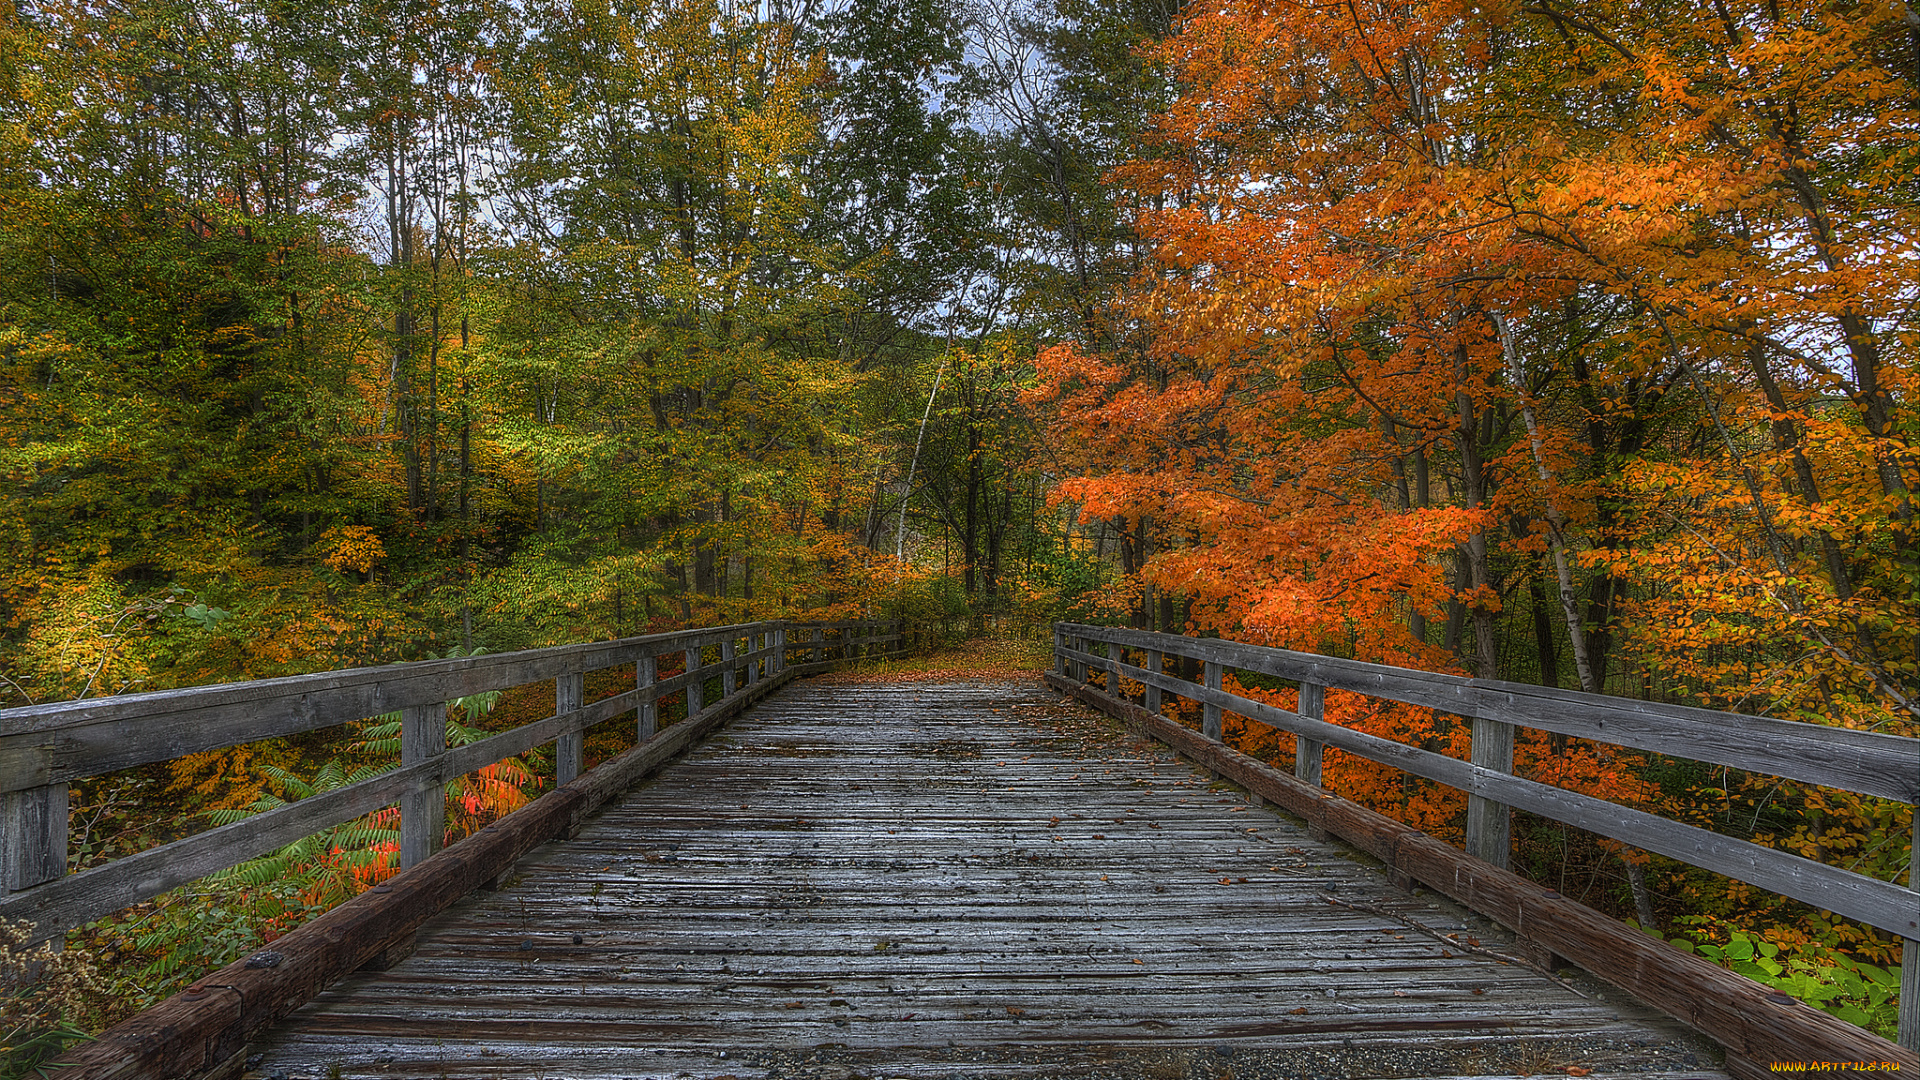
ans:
x=1869 y=763
x=44 y=748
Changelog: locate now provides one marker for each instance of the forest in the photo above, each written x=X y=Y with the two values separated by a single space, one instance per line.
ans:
x=1548 y=342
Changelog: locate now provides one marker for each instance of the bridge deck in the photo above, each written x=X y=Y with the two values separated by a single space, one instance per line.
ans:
x=972 y=880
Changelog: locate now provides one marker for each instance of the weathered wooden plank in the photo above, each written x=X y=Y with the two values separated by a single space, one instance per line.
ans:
x=1741 y=1014
x=647 y=717
x=423 y=807
x=892 y=887
x=1210 y=718
x=543 y=664
x=211 y=1021
x=78 y=898
x=1489 y=821
x=33 y=837
x=696 y=674
x=1308 y=756
x=1908 y=1031
x=1850 y=895
x=45 y=744
x=1152 y=692
x=570 y=747
x=67 y=902
x=1866 y=762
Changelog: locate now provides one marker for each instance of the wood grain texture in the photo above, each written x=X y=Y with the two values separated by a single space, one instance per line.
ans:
x=55 y=903
x=1861 y=761
x=1740 y=1014
x=1831 y=888
x=205 y=1025
x=54 y=743
x=954 y=880
x=33 y=837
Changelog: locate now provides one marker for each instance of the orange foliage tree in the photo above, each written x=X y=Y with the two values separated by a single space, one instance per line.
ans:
x=1469 y=312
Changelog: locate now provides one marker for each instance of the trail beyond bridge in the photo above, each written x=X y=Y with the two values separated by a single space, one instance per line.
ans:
x=861 y=878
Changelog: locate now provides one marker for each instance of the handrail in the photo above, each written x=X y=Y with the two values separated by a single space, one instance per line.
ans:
x=1886 y=766
x=44 y=747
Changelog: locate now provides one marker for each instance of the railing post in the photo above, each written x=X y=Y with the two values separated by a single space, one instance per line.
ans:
x=1908 y=1033
x=647 y=717
x=1307 y=753
x=727 y=654
x=569 y=750
x=1490 y=824
x=1153 y=692
x=423 y=809
x=696 y=683
x=778 y=635
x=819 y=650
x=1211 y=724
x=1060 y=652
x=33 y=837
x=1113 y=669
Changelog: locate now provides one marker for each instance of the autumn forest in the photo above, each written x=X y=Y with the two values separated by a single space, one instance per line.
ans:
x=1557 y=343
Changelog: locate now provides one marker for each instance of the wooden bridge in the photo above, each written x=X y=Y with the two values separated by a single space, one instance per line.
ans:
x=928 y=879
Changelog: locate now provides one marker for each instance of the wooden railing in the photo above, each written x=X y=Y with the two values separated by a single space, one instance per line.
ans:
x=44 y=748
x=1884 y=766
